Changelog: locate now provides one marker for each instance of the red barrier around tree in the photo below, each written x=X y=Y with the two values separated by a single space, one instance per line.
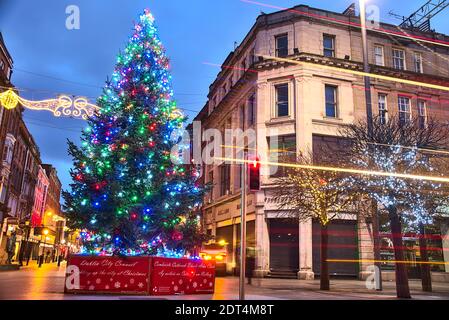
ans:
x=119 y=275
x=181 y=276
x=138 y=275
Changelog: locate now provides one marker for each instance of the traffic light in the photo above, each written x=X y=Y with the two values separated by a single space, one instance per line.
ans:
x=254 y=174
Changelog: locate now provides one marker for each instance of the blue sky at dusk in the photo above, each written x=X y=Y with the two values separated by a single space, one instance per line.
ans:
x=50 y=60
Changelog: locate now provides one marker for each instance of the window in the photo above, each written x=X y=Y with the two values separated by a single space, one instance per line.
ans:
x=242 y=117
x=253 y=58
x=404 y=109
x=251 y=110
x=2 y=65
x=328 y=45
x=282 y=149
x=3 y=184
x=225 y=179
x=224 y=90
x=382 y=103
x=326 y=149
x=211 y=181
x=379 y=55
x=281 y=100
x=417 y=61
x=243 y=66
x=237 y=177
x=8 y=151
x=12 y=204
x=282 y=46
x=422 y=114
x=214 y=102
x=398 y=59
x=5 y=152
x=331 y=101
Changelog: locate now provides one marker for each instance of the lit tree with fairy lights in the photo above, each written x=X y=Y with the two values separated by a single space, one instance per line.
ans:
x=405 y=151
x=431 y=207
x=129 y=193
x=305 y=193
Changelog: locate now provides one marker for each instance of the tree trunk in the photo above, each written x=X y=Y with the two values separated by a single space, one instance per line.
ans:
x=426 y=278
x=324 y=276
x=402 y=288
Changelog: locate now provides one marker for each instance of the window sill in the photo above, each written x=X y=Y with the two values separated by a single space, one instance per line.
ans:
x=222 y=199
x=328 y=120
x=332 y=118
x=280 y=120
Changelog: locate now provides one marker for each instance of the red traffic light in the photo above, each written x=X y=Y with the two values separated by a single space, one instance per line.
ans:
x=254 y=174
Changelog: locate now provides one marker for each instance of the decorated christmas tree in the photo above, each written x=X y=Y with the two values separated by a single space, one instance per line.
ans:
x=129 y=194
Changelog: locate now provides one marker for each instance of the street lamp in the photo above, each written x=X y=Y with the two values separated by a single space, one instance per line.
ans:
x=369 y=120
x=366 y=68
x=41 y=258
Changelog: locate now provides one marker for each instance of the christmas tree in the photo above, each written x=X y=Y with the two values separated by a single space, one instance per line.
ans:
x=129 y=196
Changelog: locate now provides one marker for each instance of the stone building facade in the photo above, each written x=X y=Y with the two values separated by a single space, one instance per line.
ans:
x=303 y=105
x=23 y=181
x=8 y=125
x=53 y=218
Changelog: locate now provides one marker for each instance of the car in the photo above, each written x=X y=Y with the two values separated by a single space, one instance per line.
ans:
x=218 y=252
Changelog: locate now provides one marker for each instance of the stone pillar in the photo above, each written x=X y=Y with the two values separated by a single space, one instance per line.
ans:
x=305 y=251
x=366 y=247
x=262 y=244
x=445 y=243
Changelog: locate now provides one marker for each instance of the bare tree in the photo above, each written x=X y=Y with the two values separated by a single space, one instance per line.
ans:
x=396 y=147
x=307 y=193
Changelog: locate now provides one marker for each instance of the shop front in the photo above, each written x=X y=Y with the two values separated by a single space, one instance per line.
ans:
x=284 y=245
x=412 y=253
x=343 y=246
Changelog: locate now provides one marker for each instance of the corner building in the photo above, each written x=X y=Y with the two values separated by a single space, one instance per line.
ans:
x=303 y=106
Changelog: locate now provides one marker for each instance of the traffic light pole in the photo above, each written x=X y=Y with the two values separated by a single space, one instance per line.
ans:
x=243 y=228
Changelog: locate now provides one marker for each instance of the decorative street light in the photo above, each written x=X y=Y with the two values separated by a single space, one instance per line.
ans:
x=41 y=258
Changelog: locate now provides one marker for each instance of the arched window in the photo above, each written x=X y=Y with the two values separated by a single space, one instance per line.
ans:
x=8 y=149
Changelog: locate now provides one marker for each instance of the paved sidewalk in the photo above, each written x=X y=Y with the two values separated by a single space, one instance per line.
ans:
x=47 y=283
x=349 y=289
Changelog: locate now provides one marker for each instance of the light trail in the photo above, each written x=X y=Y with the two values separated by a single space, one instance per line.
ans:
x=353 y=24
x=359 y=73
x=255 y=149
x=373 y=143
x=411 y=96
x=345 y=170
x=404 y=147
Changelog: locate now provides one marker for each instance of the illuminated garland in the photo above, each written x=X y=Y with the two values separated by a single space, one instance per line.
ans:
x=62 y=106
